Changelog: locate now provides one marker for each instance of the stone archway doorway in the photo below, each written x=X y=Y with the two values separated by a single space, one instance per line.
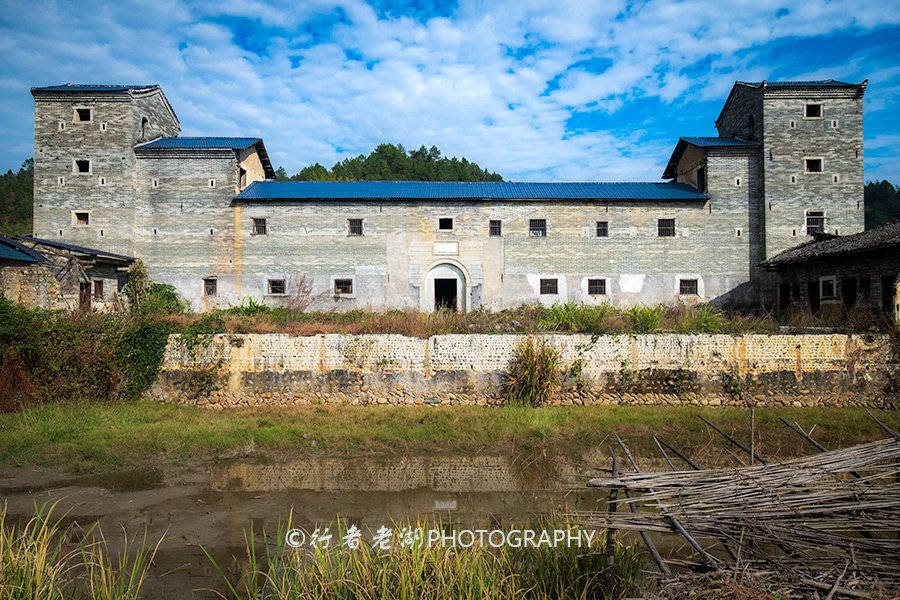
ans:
x=445 y=288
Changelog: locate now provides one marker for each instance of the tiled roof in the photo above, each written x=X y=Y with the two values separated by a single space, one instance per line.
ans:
x=91 y=87
x=702 y=142
x=886 y=236
x=802 y=84
x=10 y=249
x=197 y=143
x=450 y=190
x=80 y=249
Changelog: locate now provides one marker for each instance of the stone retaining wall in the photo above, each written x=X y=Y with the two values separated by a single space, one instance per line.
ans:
x=278 y=369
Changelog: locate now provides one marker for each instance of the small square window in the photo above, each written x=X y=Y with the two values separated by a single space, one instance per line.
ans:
x=665 y=227
x=82 y=166
x=815 y=222
x=688 y=287
x=827 y=288
x=98 y=289
x=82 y=218
x=813 y=111
x=260 y=226
x=549 y=286
x=537 y=227
x=602 y=228
x=354 y=226
x=83 y=115
x=276 y=287
x=212 y=183
x=210 y=286
x=343 y=286
x=495 y=228
x=813 y=165
x=596 y=287
x=445 y=223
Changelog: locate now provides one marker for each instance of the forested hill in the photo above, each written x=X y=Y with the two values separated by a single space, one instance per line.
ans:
x=16 y=192
x=882 y=203
x=393 y=163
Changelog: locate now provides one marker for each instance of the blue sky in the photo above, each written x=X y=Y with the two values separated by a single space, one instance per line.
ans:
x=551 y=90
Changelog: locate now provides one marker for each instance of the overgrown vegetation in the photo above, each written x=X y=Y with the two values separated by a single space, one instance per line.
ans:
x=16 y=205
x=882 y=201
x=532 y=377
x=431 y=572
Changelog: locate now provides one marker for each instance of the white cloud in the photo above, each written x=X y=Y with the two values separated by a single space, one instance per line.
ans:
x=473 y=84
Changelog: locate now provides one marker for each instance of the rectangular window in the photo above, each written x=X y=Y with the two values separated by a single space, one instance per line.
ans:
x=83 y=115
x=812 y=165
x=596 y=287
x=98 y=289
x=701 y=179
x=688 y=287
x=259 y=226
x=813 y=111
x=815 y=222
x=242 y=178
x=445 y=224
x=827 y=288
x=276 y=287
x=602 y=229
x=82 y=218
x=494 y=228
x=210 y=286
x=354 y=226
x=549 y=286
x=665 y=227
x=537 y=227
x=343 y=286
x=82 y=166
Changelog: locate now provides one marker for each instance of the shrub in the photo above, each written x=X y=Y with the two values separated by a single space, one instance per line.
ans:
x=575 y=318
x=533 y=377
x=248 y=308
x=644 y=319
x=704 y=318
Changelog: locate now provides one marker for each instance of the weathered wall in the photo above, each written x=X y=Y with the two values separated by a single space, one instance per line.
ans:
x=469 y=369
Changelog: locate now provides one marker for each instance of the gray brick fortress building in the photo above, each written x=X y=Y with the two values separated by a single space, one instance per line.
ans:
x=205 y=215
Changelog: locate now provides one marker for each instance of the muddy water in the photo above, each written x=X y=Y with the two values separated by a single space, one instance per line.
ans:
x=212 y=505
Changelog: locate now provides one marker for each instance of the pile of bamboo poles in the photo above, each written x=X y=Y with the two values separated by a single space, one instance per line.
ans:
x=805 y=518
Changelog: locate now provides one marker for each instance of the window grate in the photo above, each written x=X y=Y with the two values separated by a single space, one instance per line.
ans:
x=665 y=227
x=549 y=286
x=537 y=227
x=495 y=228
x=596 y=287
x=815 y=222
x=354 y=226
x=602 y=229
x=688 y=287
x=276 y=287
x=343 y=286
x=260 y=227
x=210 y=286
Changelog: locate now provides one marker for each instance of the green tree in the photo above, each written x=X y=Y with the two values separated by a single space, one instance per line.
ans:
x=17 y=199
x=389 y=162
x=882 y=203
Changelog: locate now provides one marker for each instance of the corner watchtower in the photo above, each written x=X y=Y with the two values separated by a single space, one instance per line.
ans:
x=811 y=136
x=84 y=162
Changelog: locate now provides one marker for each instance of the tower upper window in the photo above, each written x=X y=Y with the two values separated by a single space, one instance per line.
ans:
x=813 y=165
x=813 y=111
x=145 y=126
x=83 y=115
x=701 y=179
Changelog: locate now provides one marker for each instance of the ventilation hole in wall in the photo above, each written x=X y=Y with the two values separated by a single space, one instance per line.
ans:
x=156 y=183
x=210 y=232
x=837 y=231
x=212 y=183
x=103 y=181
x=857 y=153
x=61 y=180
x=62 y=125
x=793 y=232
x=737 y=181
x=835 y=178
x=793 y=125
x=102 y=126
x=154 y=231
x=101 y=233
x=834 y=124
x=60 y=233
x=738 y=232
x=793 y=179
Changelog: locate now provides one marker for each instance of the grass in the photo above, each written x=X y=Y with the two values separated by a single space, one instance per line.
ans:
x=91 y=437
x=431 y=571
x=251 y=317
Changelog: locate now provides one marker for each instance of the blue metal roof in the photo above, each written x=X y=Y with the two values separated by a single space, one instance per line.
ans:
x=10 y=249
x=812 y=83
x=91 y=87
x=702 y=142
x=718 y=142
x=452 y=190
x=197 y=143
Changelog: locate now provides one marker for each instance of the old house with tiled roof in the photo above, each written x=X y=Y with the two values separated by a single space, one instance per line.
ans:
x=206 y=217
